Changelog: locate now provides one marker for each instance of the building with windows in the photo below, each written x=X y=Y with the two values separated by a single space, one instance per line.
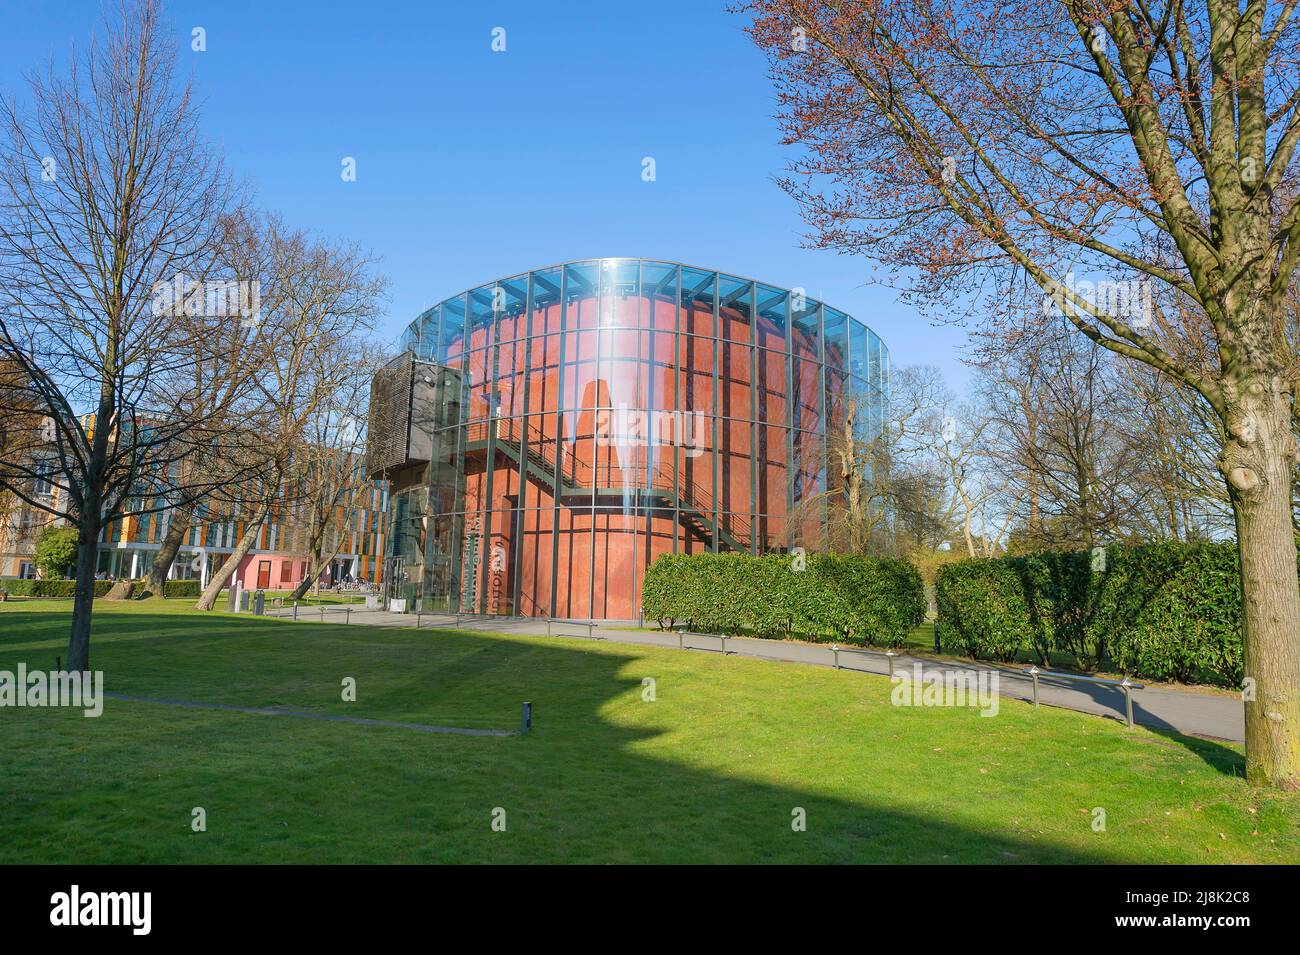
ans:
x=546 y=436
x=277 y=561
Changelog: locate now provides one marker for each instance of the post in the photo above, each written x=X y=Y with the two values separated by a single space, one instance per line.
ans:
x=936 y=636
x=835 y=649
x=295 y=610
x=347 y=614
x=525 y=718
x=889 y=655
x=418 y=615
x=1033 y=671
x=548 y=624
x=322 y=613
x=1128 y=702
x=681 y=643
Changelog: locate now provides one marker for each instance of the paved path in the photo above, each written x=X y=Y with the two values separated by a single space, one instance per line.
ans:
x=308 y=714
x=1184 y=711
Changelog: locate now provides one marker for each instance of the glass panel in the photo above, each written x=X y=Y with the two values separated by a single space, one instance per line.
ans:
x=659 y=290
x=859 y=347
x=581 y=298
x=734 y=377
x=573 y=563
x=805 y=334
x=451 y=323
x=699 y=292
x=482 y=314
x=511 y=297
x=536 y=533
x=546 y=301
x=837 y=339
x=773 y=473
x=735 y=308
x=773 y=388
x=697 y=377
x=773 y=316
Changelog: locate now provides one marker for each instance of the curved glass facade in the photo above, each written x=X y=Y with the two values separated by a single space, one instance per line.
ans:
x=593 y=415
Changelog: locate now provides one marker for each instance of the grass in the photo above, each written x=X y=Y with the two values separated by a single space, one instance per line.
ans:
x=710 y=771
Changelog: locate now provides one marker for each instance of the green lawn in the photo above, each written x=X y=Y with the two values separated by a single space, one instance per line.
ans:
x=709 y=771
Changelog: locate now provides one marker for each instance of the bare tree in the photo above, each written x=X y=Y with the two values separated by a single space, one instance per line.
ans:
x=332 y=477
x=319 y=300
x=107 y=193
x=985 y=147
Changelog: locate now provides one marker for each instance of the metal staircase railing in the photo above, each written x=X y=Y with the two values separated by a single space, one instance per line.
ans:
x=578 y=477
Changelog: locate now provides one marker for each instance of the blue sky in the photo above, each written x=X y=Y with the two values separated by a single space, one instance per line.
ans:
x=473 y=164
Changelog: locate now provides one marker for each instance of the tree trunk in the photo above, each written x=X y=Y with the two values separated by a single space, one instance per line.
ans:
x=83 y=596
x=209 y=598
x=156 y=583
x=316 y=568
x=1258 y=462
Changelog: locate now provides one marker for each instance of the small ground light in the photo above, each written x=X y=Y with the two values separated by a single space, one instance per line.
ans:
x=525 y=718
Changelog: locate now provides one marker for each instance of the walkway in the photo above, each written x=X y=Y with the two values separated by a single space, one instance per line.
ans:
x=1190 y=712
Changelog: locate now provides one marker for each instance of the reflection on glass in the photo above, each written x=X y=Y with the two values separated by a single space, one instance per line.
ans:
x=604 y=412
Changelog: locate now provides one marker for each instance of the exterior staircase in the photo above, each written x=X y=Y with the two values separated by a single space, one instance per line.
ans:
x=577 y=481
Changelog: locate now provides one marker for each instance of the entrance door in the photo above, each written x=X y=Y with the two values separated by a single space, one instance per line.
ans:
x=263 y=575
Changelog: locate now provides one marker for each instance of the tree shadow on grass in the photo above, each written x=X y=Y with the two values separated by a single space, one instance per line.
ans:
x=582 y=787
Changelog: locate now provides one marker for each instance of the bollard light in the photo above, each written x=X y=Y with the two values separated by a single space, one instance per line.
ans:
x=936 y=637
x=889 y=655
x=1033 y=671
x=835 y=649
x=525 y=718
x=1128 y=702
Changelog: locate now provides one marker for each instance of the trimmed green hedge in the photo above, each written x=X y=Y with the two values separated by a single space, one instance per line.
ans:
x=64 y=588
x=856 y=599
x=1167 y=611
x=54 y=588
x=181 y=588
x=57 y=588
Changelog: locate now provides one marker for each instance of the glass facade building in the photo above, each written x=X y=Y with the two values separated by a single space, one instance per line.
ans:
x=588 y=417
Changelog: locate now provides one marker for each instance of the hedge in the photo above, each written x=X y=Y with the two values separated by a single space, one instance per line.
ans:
x=1167 y=611
x=823 y=596
x=53 y=587
x=64 y=588
x=181 y=588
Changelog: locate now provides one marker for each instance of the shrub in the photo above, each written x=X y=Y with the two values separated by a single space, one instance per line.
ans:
x=181 y=588
x=858 y=599
x=54 y=589
x=56 y=550
x=983 y=608
x=1165 y=611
